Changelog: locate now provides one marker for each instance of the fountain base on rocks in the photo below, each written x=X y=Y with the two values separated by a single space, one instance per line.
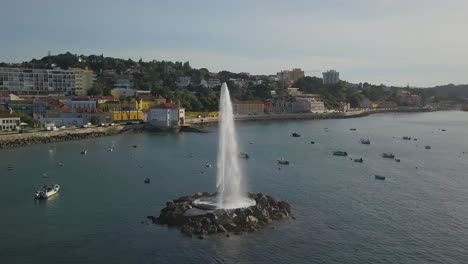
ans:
x=196 y=219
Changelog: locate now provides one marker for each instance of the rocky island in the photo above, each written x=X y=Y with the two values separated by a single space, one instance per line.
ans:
x=196 y=222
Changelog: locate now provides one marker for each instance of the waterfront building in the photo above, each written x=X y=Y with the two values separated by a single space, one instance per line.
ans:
x=82 y=105
x=44 y=82
x=166 y=116
x=21 y=106
x=122 y=116
x=344 y=107
x=307 y=103
x=40 y=106
x=9 y=122
x=331 y=77
x=254 y=107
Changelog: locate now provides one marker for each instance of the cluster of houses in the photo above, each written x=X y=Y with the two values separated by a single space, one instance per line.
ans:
x=79 y=111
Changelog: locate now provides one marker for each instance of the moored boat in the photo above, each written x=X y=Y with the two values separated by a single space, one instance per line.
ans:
x=428 y=147
x=360 y=160
x=379 y=177
x=283 y=161
x=47 y=191
x=147 y=180
x=295 y=135
x=340 y=153
x=388 y=155
x=365 y=141
x=84 y=152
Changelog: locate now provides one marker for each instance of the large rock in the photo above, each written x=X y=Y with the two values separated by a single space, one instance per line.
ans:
x=285 y=206
x=212 y=229
x=221 y=229
x=187 y=230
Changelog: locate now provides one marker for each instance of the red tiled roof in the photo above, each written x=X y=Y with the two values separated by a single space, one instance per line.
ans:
x=7 y=115
x=21 y=102
x=165 y=105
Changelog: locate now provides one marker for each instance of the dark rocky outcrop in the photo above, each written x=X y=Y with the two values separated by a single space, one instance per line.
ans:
x=221 y=221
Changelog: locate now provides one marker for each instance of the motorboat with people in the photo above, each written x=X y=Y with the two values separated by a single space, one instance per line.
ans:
x=47 y=191
x=379 y=177
x=406 y=138
x=295 y=134
x=282 y=161
x=147 y=180
x=388 y=155
x=365 y=141
x=340 y=153
x=244 y=155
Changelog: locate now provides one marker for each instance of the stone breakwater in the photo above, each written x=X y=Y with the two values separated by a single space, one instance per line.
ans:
x=18 y=140
x=194 y=222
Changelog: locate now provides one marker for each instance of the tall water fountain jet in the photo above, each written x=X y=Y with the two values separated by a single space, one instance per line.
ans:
x=230 y=183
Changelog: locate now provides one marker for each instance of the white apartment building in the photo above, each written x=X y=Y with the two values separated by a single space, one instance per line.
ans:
x=9 y=122
x=44 y=82
x=331 y=77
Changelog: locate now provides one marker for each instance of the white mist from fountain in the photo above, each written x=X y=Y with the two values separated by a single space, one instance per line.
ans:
x=230 y=183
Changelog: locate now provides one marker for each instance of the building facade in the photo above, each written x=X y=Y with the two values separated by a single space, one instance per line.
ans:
x=248 y=107
x=84 y=80
x=166 y=116
x=307 y=103
x=9 y=122
x=331 y=77
x=37 y=82
x=289 y=77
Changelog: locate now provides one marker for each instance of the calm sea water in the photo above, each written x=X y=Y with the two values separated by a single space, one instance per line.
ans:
x=418 y=215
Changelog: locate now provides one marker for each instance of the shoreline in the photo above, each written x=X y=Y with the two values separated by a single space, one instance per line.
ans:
x=191 y=125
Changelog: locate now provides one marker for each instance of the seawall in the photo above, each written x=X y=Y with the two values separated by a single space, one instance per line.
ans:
x=18 y=140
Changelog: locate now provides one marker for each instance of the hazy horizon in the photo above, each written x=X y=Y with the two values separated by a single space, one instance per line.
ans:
x=420 y=43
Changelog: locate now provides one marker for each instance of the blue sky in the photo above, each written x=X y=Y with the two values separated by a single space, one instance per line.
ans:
x=394 y=42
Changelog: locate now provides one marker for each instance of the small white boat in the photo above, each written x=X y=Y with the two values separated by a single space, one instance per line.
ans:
x=208 y=165
x=84 y=152
x=111 y=149
x=47 y=191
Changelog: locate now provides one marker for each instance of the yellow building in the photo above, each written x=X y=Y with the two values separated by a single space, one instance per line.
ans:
x=117 y=105
x=147 y=101
x=117 y=116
